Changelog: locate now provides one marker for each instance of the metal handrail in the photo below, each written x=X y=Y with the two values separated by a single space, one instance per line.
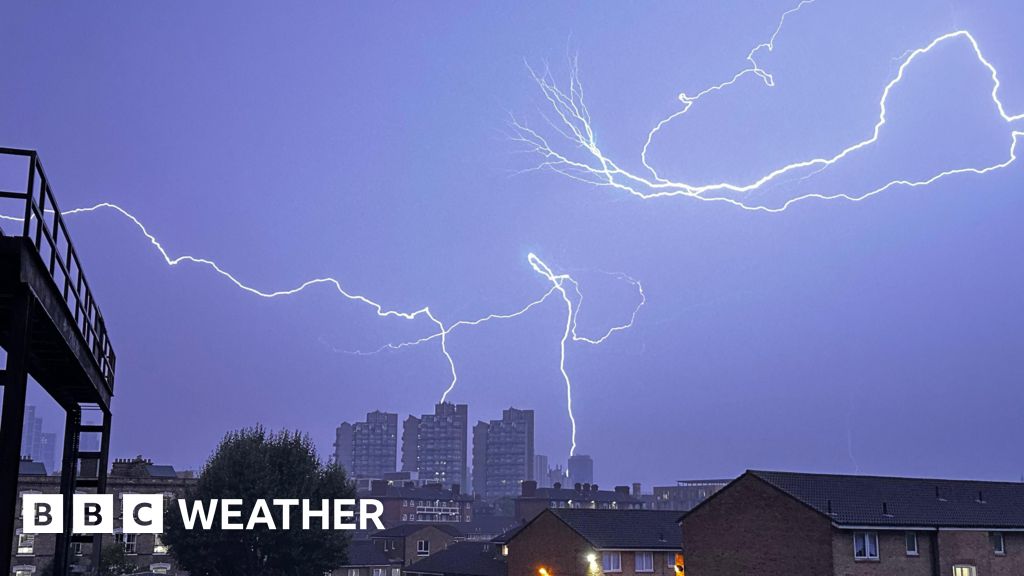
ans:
x=53 y=243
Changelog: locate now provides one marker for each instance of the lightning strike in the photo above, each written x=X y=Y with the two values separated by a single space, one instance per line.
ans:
x=571 y=121
x=558 y=282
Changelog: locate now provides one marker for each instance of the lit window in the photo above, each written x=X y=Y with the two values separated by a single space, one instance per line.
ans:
x=423 y=547
x=964 y=570
x=159 y=548
x=911 y=538
x=353 y=572
x=160 y=568
x=998 y=544
x=644 y=561
x=611 y=561
x=378 y=572
x=865 y=545
x=26 y=544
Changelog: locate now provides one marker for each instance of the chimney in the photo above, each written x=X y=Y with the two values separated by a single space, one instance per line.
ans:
x=636 y=489
x=885 y=508
x=623 y=490
x=378 y=487
x=529 y=488
x=557 y=486
x=578 y=486
x=586 y=486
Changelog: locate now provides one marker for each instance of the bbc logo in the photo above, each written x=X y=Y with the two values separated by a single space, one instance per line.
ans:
x=92 y=513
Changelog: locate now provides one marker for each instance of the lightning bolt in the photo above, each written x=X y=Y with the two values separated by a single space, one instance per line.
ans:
x=558 y=282
x=570 y=120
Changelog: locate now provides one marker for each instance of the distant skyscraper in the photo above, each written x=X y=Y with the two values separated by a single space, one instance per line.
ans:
x=480 y=458
x=541 y=474
x=437 y=444
x=581 y=469
x=503 y=455
x=368 y=449
x=47 y=450
x=35 y=444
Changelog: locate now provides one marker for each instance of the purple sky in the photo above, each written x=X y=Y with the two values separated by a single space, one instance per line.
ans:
x=369 y=143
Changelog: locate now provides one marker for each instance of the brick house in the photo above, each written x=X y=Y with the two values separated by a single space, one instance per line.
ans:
x=431 y=503
x=585 y=542
x=818 y=524
x=33 y=554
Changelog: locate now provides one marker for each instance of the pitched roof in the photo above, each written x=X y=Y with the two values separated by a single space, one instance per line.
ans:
x=624 y=529
x=404 y=530
x=364 y=553
x=891 y=501
x=462 y=559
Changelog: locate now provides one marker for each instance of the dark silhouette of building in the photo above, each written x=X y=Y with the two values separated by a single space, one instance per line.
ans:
x=789 y=523
x=434 y=445
x=534 y=500
x=686 y=494
x=368 y=449
x=581 y=469
x=503 y=454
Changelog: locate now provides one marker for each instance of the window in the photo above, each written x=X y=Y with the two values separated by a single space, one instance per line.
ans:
x=128 y=541
x=26 y=544
x=423 y=547
x=24 y=570
x=611 y=561
x=865 y=546
x=76 y=548
x=998 y=544
x=911 y=539
x=159 y=548
x=964 y=570
x=353 y=572
x=160 y=568
x=378 y=572
x=644 y=561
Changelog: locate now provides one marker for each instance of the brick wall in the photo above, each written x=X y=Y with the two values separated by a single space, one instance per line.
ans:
x=975 y=549
x=752 y=529
x=892 y=555
x=547 y=542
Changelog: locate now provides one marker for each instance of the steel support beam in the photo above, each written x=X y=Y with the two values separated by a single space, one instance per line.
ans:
x=12 y=422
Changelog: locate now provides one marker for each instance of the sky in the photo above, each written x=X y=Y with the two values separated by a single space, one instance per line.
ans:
x=371 y=142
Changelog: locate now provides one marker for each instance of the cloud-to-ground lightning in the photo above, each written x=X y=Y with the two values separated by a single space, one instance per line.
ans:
x=573 y=305
x=571 y=121
x=558 y=285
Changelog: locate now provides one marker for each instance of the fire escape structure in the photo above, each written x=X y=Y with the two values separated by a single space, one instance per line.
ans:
x=53 y=331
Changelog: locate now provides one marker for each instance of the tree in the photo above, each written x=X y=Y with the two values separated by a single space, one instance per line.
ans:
x=252 y=464
x=114 y=562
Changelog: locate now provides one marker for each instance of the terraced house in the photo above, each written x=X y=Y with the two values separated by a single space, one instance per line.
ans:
x=817 y=524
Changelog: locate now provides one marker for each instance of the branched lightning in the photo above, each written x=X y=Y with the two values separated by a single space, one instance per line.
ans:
x=442 y=332
x=571 y=121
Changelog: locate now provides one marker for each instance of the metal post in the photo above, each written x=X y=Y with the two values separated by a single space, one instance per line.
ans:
x=13 y=419
x=101 y=484
x=68 y=479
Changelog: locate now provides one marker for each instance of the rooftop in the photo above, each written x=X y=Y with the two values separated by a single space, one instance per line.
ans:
x=907 y=502
x=617 y=529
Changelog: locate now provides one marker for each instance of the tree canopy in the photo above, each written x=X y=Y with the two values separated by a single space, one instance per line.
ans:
x=252 y=464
